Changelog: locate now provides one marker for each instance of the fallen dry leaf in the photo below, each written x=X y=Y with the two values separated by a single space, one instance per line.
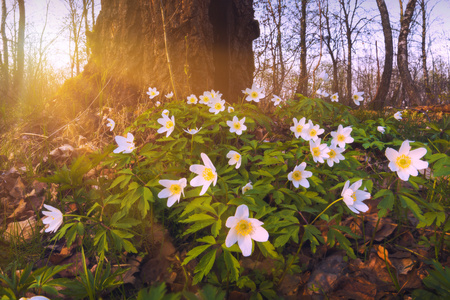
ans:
x=20 y=231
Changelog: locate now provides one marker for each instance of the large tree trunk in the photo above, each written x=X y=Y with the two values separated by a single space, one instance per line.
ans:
x=5 y=63
x=302 y=86
x=383 y=88
x=428 y=93
x=18 y=77
x=202 y=45
x=402 y=55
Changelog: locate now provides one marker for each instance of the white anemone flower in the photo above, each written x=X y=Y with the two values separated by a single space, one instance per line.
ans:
x=53 y=218
x=165 y=112
x=335 y=155
x=300 y=127
x=230 y=109
x=126 y=144
x=398 y=115
x=215 y=94
x=299 y=175
x=276 y=100
x=192 y=130
x=254 y=93
x=111 y=124
x=381 y=129
x=357 y=97
x=237 y=125
x=335 y=97
x=247 y=187
x=152 y=92
x=342 y=136
x=216 y=105
x=168 y=125
x=173 y=190
x=243 y=230
x=406 y=162
x=206 y=174
x=323 y=76
x=312 y=132
x=354 y=197
x=157 y=103
x=169 y=95
x=235 y=158
x=322 y=93
x=35 y=298
x=192 y=99
x=319 y=151
x=205 y=98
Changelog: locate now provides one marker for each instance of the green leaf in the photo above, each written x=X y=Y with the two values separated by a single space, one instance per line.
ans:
x=232 y=264
x=193 y=253
x=267 y=249
x=204 y=266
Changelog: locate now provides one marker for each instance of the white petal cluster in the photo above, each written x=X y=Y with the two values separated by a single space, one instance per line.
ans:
x=206 y=174
x=235 y=158
x=125 y=144
x=354 y=197
x=168 y=124
x=53 y=218
x=406 y=162
x=152 y=92
x=173 y=190
x=299 y=176
x=357 y=97
x=237 y=125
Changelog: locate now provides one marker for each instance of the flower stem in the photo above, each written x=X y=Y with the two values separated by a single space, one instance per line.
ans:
x=326 y=209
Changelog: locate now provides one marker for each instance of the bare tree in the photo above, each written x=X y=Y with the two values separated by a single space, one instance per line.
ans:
x=331 y=41
x=302 y=86
x=18 y=77
x=5 y=63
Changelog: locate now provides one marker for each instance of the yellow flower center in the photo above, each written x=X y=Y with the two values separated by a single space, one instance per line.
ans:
x=313 y=132
x=244 y=227
x=218 y=106
x=341 y=137
x=354 y=197
x=254 y=95
x=403 y=161
x=237 y=125
x=299 y=128
x=355 y=97
x=175 y=189
x=206 y=99
x=316 y=151
x=297 y=175
x=169 y=124
x=237 y=157
x=208 y=174
x=245 y=189
x=332 y=154
x=231 y=109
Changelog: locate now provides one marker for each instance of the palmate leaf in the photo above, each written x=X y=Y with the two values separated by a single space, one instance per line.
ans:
x=232 y=264
x=204 y=266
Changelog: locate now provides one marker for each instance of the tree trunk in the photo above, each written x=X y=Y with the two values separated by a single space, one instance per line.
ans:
x=402 y=55
x=208 y=43
x=428 y=93
x=5 y=63
x=18 y=78
x=383 y=88
x=302 y=86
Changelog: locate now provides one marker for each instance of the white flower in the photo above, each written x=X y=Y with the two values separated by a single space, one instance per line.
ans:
x=165 y=112
x=276 y=100
x=335 y=155
x=354 y=197
x=35 y=298
x=312 y=132
x=323 y=76
x=381 y=129
x=237 y=125
x=215 y=94
x=398 y=115
x=205 y=98
x=357 y=97
x=254 y=94
x=342 y=136
x=152 y=92
x=243 y=230
x=126 y=145
x=53 y=218
x=406 y=162
x=230 y=109
x=169 y=95
x=192 y=131
x=157 y=103
x=173 y=190
x=216 y=105
x=300 y=127
x=192 y=99
x=335 y=97
x=319 y=151
x=247 y=187
x=206 y=174
x=322 y=93
x=111 y=124
x=235 y=158
x=168 y=124
x=299 y=175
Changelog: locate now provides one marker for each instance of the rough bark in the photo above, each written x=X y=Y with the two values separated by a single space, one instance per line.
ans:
x=428 y=92
x=302 y=86
x=5 y=63
x=208 y=43
x=402 y=54
x=18 y=78
x=383 y=88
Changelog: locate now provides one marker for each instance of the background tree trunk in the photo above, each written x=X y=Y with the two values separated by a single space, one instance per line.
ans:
x=5 y=63
x=383 y=88
x=302 y=86
x=18 y=77
x=209 y=44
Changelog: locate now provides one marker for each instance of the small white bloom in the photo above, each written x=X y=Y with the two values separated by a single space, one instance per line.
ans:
x=322 y=93
x=216 y=105
x=319 y=151
x=357 y=97
x=342 y=136
x=247 y=187
x=205 y=98
x=237 y=125
x=276 y=100
x=312 y=132
x=169 y=95
x=335 y=155
x=126 y=145
x=300 y=127
x=254 y=94
x=323 y=76
x=215 y=94
x=206 y=174
x=152 y=92
x=354 y=197
x=111 y=124
x=165 y=113
x=299 y=175
x=230 y=109
x=168 y=124
x=157 y=103
x=192 y=131
x=243 y=230
x=235 y=158
x=192 y=99
x=406 y=162
x=381 y=129
x=53 y=218
x=335 y=97
x=35 y=298
x=173 y=190
x=398 y=115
